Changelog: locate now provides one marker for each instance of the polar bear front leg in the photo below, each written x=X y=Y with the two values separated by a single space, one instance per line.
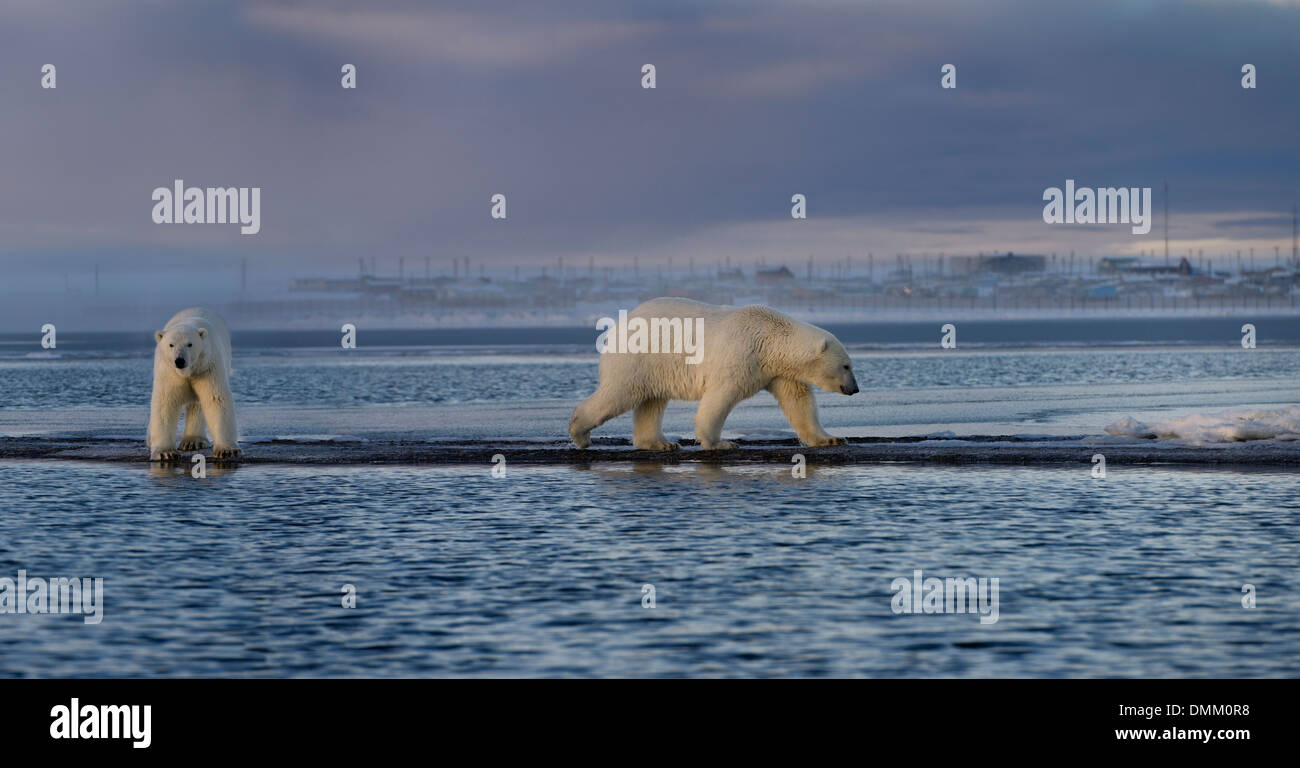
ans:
x=648 y=427
x=164 y=414
x=800 y=408
x=714 y=408
x=194 y=438
x=219 y=412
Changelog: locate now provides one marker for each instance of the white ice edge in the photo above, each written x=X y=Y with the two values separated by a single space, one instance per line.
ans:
x=1281 y=425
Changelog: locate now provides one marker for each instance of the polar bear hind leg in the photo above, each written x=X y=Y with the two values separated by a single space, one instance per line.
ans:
x=605 y=404
x=713 y=411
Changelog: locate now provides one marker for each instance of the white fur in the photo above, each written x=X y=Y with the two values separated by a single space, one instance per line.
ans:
x=202 y=388
x=745 y=350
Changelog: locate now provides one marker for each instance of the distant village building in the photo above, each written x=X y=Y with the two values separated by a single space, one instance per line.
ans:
x=1013 y=264
x=1118 y=263
x=323 y=285
x=1008 y=264
x=778 y=274
x=1133 y=265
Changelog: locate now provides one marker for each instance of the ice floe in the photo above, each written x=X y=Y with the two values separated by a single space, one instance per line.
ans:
x=1224 y=427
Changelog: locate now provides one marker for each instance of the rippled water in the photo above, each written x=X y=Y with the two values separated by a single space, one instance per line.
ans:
x=345 y=378
x=755 y=572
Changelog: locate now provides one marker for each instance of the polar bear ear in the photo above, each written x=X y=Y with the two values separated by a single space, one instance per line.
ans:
x=203 y=333
x=157 y=336
x=821 y=348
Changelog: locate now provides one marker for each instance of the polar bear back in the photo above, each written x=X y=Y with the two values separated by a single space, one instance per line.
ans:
x=740 y=346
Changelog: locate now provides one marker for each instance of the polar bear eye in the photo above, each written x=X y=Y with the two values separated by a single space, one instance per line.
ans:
x=189 y=345
x=846 y=368
x=171 y=345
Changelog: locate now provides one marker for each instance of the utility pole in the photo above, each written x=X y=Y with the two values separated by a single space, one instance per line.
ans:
x=1166 y=223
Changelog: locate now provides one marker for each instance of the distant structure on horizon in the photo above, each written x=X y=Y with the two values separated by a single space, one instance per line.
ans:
x=1134 y=265
x=775 y=275
x=1008 y=264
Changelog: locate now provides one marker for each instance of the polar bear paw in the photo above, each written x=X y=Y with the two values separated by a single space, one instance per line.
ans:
x=227 y=452
x=721 y=445
x=164 y=455
x=659 y=445
x=826 y=440
x=193 y=444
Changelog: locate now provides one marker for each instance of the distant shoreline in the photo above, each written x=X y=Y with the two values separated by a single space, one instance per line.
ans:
x=1274 y=329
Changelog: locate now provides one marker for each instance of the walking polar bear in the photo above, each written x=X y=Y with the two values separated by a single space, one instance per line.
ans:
x=191 y=370
x=743 y=350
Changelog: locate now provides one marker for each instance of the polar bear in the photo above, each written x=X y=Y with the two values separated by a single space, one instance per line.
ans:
x=742 y=350
x=191 y=369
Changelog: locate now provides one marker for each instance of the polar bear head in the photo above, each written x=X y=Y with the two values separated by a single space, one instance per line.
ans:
x=184 y=348
x=831 y=369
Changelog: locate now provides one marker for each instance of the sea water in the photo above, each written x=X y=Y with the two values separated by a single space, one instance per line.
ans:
x=753 y=571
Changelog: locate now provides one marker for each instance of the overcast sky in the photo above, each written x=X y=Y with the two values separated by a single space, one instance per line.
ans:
x=542 y=102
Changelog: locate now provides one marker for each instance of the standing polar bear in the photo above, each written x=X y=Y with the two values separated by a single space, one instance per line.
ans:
x=741 y=351
x=191 y=370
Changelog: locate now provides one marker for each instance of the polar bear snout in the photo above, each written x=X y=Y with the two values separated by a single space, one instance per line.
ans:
x=182 y=350
x=850 y=389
